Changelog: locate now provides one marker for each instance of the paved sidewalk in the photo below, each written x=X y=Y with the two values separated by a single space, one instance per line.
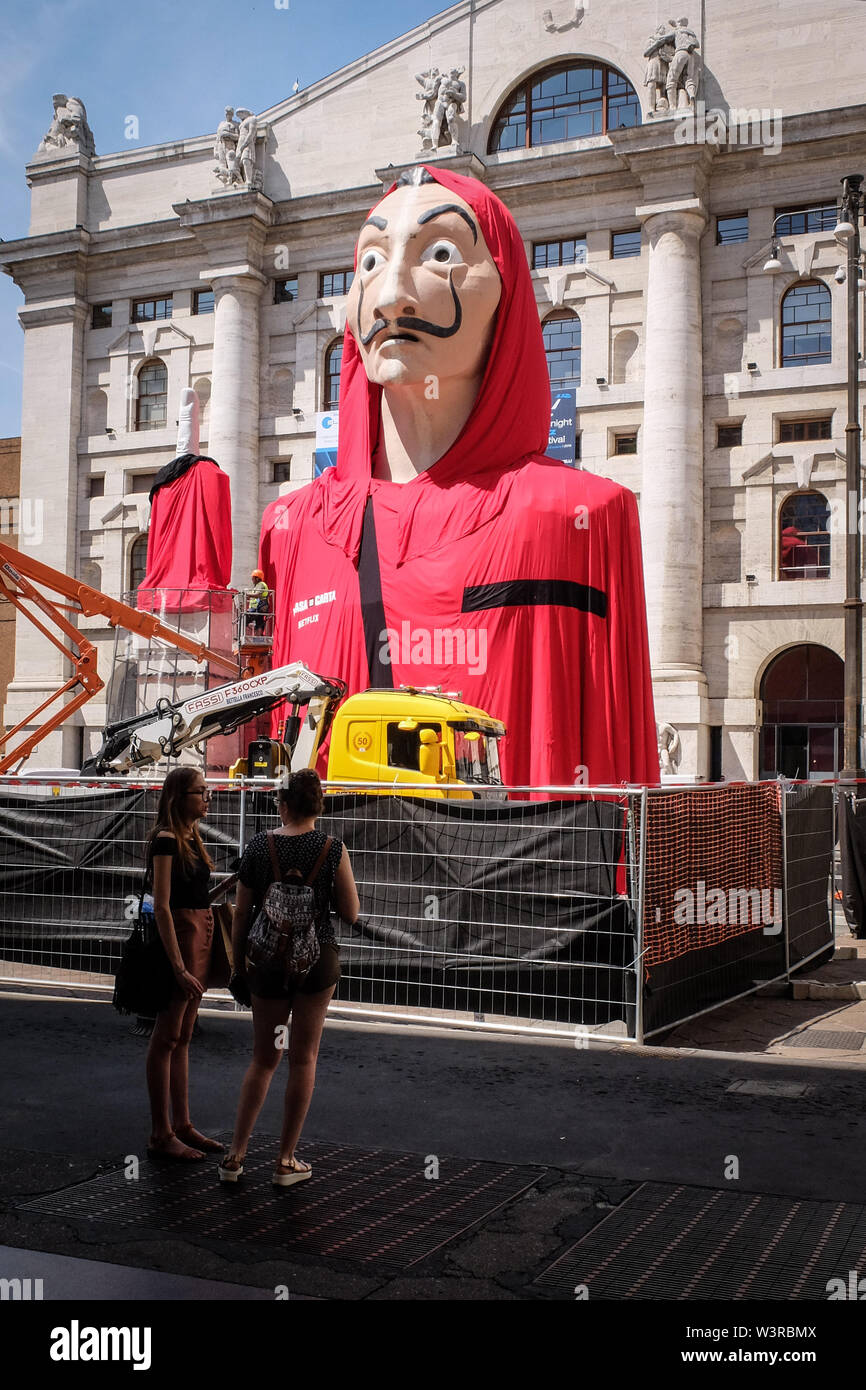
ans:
x=820 y=1015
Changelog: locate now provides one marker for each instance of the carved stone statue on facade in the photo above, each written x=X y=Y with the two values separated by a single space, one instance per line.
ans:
x=444 y=96
x=235 y=149
x=246 y=153
x=69 y=128
x=685 y=70
x=574 y=22
x=225 y=147
x=429 y=82
x=658 y=53
x=670 y=749
x=673 y=70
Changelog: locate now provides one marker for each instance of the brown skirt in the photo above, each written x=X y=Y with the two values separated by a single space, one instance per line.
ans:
x=193 y=927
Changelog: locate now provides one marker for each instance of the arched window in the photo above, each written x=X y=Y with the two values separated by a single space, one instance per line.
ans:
x=137 y=562
x=152 y=397
x=806 y=338
x=561 y=333
x=333 y=364
x=567 y=102
x=804 y=538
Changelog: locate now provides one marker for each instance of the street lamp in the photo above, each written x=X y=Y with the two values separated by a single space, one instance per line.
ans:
x=848 y=226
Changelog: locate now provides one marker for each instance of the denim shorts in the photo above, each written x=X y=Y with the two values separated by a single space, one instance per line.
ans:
x=269 y=984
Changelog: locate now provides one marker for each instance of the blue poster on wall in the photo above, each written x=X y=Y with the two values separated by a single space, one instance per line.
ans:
x=327 y=433
x=563 y=426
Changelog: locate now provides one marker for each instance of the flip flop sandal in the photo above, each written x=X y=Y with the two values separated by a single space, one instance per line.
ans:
x=161 y=1156
x=286 y=1174
x=208 y=1146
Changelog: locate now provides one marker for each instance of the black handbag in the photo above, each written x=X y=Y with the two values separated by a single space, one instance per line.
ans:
x=144 y=983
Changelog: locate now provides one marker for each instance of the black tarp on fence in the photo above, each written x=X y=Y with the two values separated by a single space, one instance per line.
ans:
x=493 y=908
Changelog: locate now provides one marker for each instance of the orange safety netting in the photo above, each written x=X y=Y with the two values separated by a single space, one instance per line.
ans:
x=713 y=867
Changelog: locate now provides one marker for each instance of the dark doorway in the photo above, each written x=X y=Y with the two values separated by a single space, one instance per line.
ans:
x=802 y=693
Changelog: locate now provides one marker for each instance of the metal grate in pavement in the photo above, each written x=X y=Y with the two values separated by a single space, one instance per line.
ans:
x=849 y=1041
x=363 y=1205
x=678 y=1242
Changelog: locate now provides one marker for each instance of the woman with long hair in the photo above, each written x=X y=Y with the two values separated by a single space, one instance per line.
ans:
x=180 y=869
x=297 y=845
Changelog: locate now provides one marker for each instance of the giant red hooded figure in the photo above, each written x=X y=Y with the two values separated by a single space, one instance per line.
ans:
x=496 y=571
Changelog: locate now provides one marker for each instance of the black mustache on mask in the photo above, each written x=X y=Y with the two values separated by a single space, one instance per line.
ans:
x=411 y=322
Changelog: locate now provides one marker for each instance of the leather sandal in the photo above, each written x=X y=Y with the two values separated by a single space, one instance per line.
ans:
x=231 y=1168
x=286 y=1174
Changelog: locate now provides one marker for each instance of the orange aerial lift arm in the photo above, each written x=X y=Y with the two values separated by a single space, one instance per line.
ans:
x=19 y=576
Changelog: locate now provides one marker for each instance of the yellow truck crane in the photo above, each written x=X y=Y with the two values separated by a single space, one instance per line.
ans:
x=415 y=736
x=408 y=735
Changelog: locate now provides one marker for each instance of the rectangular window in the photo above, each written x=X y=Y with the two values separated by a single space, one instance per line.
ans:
x=96 y=485
x=577 y=438
x=729 y=436
x=732 y=227
x=100 y=316
x=625 y=244
x=147 y=310
x=140 y=482
x=550 y=253
x=803 y=218
x=334 y=282
x=625 y=443
x=791 y=431
x=203 y=301
x=285 y=290
x=282 y=471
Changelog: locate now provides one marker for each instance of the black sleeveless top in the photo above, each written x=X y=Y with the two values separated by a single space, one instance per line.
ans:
x=295 y=852
x=189 y=886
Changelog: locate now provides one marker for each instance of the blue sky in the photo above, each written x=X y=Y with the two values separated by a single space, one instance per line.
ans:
x=172 y=63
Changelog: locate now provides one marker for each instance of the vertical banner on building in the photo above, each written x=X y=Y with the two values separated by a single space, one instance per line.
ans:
x=327 y=430
x=563 y=427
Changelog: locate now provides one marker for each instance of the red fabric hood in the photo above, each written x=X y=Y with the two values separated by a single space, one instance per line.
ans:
x=509 y=421
x=189 y=546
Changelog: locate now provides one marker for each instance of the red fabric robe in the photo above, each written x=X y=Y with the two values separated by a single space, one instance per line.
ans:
x=505 y=575
x=189 y=543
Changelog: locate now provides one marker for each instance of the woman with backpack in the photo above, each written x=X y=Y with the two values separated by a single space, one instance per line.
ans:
x=272 y=957
x=179 y=868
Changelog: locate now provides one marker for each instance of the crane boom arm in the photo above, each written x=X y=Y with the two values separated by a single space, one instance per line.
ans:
x=173 y=726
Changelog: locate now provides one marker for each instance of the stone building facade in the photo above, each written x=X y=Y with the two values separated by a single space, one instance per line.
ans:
x=712 y=387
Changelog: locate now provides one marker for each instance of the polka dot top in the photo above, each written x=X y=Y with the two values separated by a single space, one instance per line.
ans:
x=294 y=852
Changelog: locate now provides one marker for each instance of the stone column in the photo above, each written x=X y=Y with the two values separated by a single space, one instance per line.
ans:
x=672 y=492
x=233 y=438
x=50 y=425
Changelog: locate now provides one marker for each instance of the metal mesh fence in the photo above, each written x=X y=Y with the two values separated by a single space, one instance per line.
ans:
x=737 y=892
x=533 y=911
x=519 y=910
x=810 y=834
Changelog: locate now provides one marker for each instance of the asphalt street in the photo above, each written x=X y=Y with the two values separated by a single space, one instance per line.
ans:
x=590 y=1125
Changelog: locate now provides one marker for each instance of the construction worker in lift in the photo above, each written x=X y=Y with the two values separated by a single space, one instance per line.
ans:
x=258 y=604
